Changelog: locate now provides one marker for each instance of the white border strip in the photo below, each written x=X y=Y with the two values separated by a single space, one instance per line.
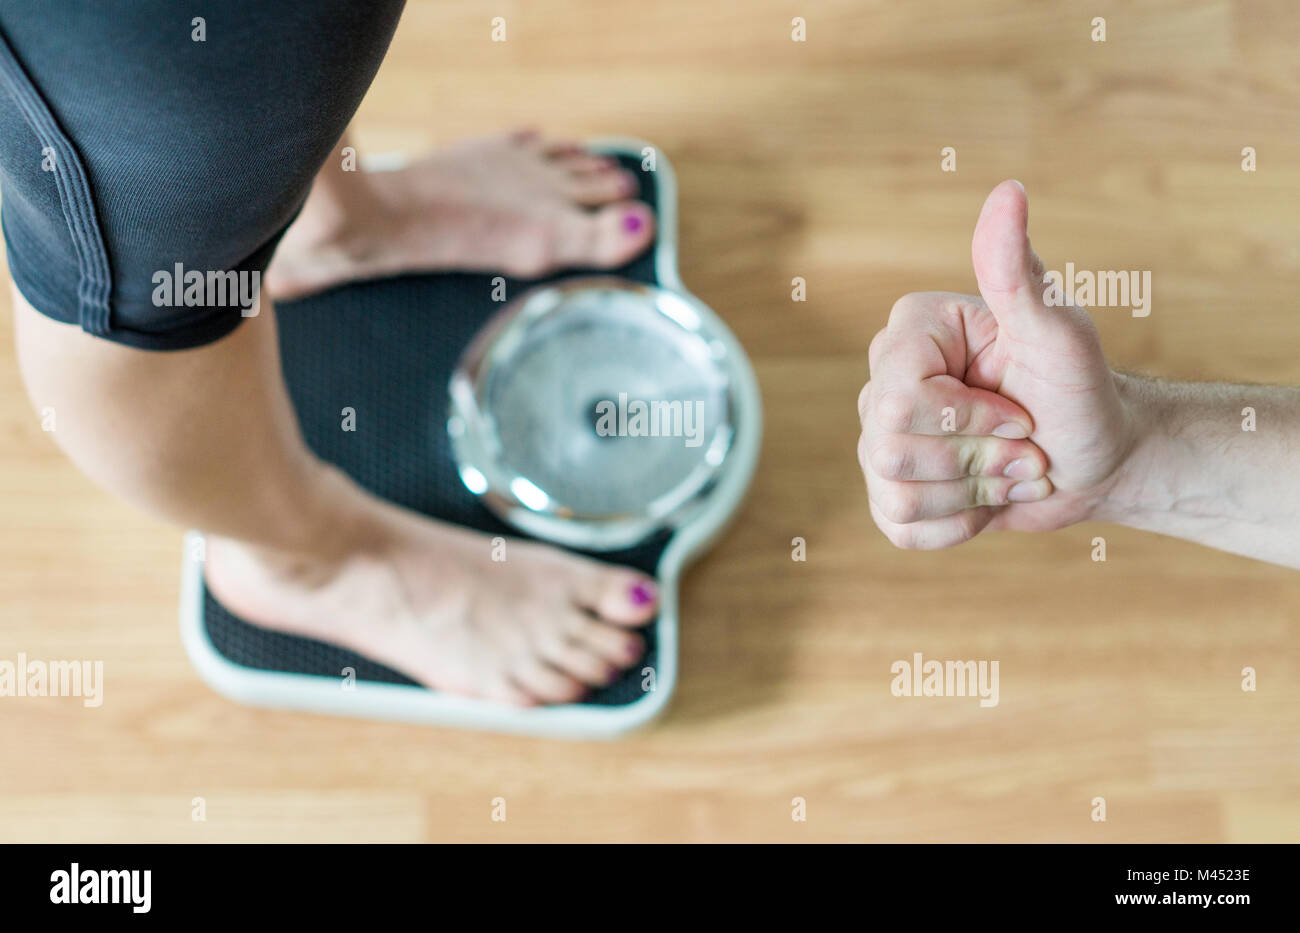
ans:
x=404 y=703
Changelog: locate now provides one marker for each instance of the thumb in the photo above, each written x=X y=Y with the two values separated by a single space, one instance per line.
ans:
x=1009 y=272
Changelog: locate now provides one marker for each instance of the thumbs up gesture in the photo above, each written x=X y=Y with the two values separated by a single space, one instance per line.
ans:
x=998 y=413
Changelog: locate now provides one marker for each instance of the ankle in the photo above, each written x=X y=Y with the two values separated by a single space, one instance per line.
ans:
x=338 y=520
x=334 y=212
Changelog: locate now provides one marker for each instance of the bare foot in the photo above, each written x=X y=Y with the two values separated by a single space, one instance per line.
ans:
x=426 y=599
x=516 y=204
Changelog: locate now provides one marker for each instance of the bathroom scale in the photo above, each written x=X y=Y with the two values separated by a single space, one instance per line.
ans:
x=611 y=413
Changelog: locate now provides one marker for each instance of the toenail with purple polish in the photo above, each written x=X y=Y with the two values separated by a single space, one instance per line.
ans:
x=632 y=223
x=643 y=594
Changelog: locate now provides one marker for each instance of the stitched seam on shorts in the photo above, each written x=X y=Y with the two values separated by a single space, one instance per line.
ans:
x=96 y=278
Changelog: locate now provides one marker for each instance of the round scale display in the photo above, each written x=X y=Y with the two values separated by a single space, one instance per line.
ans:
x=593 y=411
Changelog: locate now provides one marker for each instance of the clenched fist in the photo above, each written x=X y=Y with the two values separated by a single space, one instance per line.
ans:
x=996 y=413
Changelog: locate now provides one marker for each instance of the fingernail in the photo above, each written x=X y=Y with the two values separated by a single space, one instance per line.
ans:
x=1027 y=492
x=1011 y=431
x=643 y=594
x=1023 y=468
x=633 y=223
x=1018 y=184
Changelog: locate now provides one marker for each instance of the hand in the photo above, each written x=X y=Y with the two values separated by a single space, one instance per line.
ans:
x=998 y=413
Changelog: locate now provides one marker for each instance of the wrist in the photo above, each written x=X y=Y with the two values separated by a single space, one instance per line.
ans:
x=1139 y=485
x=1197 y=471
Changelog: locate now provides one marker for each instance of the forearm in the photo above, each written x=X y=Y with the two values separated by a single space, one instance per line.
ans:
x=1206 y=469
x=204 y=438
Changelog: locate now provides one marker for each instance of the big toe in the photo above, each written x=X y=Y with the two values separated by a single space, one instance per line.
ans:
x=610 y=237
x=622 y=597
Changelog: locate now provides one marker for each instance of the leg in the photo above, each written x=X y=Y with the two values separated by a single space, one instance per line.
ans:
x=207 y=437
x=201 y=432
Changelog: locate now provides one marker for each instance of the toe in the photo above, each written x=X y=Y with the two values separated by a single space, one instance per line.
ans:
x=618 y=646
x=526 y=136
x=619 y=596
x=557 y=148
x=547 y=684
x=506 y=691
x=578 y=661
x=601 y=186
x=585 y=163
x=607 y=238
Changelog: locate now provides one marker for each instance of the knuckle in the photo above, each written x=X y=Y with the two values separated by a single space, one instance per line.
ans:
x=904 y=538
x=925 y=543
x=891 y=459
x=899 y=504
x=893 y=411
x=898 y=536
x=875 y=348
x=968 y=526
x=905 y=306
x=864 y=400
x=962 y=306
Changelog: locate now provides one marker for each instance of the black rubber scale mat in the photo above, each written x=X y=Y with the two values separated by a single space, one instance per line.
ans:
x=386 y=349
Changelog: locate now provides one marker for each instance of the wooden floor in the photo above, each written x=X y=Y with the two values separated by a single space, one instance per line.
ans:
x=820 y=159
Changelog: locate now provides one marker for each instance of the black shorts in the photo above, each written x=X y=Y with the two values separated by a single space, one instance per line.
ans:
x=139 y=144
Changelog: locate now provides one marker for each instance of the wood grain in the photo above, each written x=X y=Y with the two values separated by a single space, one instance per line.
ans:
x=822 y=160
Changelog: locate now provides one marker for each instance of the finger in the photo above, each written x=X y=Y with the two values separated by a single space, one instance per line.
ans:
x=946 y=405
x=864 y=399
x=938 y=533
x=931 y=333
x=905 y=503
x=1009 y=272
x=908 y=355
x=911 y=457
x=876 y=348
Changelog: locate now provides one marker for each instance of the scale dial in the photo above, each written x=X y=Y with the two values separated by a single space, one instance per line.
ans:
x=596 y=403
